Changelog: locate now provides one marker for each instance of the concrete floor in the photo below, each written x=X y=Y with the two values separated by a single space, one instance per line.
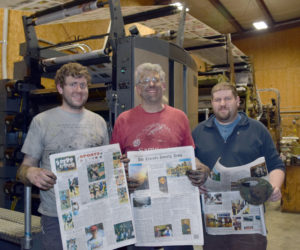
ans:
x=283 y=228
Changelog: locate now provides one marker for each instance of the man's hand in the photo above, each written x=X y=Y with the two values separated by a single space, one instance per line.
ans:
x=276 y=178
x=42 y=178
x=29 y=173
x=276 y=195
x=132 y=183
x=199 y=176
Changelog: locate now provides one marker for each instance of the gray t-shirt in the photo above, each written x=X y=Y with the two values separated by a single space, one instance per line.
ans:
x=56 y=131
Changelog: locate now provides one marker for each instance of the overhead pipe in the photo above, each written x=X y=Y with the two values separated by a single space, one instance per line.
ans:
x=84 y=47
x=76 y=57
x=65 y=10
x=61 y=14
x=56 y=8
x=168 y=34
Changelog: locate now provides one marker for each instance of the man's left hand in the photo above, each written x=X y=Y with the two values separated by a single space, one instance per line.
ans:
x=198 y=177
x=276 y=195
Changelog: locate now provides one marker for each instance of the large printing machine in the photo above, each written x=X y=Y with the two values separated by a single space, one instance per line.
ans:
x=112 y=92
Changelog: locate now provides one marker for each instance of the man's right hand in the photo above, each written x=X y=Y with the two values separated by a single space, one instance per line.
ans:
x=42 y=178
x=29 y=173
x=132 y=183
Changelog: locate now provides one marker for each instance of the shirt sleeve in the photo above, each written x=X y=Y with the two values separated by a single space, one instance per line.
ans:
x=33 y=145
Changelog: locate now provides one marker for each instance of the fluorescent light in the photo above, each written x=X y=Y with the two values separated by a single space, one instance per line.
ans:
x=179 y=6
x=260 y=25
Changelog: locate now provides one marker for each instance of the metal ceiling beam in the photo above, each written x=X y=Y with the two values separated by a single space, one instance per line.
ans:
x=206 y=46
x=150 y=14
x=263 y=7
x=63 y=7
x=221 y=8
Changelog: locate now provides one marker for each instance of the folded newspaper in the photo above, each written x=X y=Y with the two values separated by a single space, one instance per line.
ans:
x=225 y=211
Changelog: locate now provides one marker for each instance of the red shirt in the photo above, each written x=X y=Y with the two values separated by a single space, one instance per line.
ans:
x=136 y=129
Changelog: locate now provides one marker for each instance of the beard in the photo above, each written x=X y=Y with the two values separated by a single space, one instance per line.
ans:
x=225 y=115
x=75 y=105
x=150 y=97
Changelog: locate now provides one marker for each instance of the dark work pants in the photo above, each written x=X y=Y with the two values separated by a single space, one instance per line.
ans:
x=51 y=238
x=132 y=247
x=235 y=242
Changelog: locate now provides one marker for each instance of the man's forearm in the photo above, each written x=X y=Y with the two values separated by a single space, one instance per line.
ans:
x=22 y=174
x=277 y=177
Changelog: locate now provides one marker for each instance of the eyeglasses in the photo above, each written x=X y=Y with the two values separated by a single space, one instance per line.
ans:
x=147 y=80
x=225 y=99
x=74 y=85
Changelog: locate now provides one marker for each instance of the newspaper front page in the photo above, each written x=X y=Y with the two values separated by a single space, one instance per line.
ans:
x=166 y=206
x=225 y=211
x=92 y=199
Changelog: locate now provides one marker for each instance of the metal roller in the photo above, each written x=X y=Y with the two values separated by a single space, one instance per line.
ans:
x=66 y=13
x=76 y=57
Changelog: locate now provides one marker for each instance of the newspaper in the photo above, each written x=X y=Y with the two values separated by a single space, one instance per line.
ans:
x=92 y=199
x=166 y=206
x=225 y=212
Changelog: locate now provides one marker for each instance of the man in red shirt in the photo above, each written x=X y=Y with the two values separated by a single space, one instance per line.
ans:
x=152 y=124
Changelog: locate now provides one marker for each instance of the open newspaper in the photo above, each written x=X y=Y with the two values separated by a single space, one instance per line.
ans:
x=225 y=212
x=92 y=199
x=166 y=206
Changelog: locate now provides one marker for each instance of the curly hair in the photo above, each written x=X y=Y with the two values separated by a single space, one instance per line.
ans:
x=71 y=69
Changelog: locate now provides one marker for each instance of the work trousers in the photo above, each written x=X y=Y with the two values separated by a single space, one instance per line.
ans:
x=51 y=238
x=235 y=242
x=132 y=247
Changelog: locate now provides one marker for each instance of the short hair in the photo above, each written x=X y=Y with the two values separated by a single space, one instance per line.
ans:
x=224 y=86
x=149 y=67
x=71 y=69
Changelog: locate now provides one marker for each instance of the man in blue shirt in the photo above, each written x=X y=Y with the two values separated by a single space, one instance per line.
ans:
x=237 y=140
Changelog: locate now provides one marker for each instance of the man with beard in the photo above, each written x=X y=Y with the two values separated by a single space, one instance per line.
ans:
x=61 y=129
x=237 y=140
x=152 y=124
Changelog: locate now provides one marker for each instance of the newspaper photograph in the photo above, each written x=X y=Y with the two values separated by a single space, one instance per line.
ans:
x=166 y=207
x=225 y=211
x=92 y=198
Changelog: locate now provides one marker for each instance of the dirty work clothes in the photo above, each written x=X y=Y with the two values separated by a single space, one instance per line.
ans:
x=235 y=242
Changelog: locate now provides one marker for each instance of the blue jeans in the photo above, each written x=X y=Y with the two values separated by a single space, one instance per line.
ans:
x=51 y=238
